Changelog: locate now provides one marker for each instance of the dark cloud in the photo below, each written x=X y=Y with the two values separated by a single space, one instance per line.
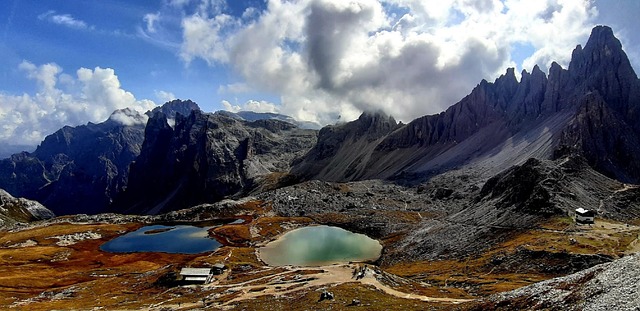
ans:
x=330 y=58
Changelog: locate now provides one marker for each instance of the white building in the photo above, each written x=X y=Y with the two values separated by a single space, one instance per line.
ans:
x=196 y=275
x=584 y=216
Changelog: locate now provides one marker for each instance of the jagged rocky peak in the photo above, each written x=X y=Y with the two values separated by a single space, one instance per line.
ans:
x=376 y=123
x=604 y=67
x=602 y=51
x=177 y=106
x=370 y=125
x=77 y=169
x=507 y=83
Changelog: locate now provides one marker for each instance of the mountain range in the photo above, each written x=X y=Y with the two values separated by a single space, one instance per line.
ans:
x=182 y=156
x=588 y=109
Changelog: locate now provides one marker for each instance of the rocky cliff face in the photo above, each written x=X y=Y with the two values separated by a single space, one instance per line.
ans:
x=172 y=108
x=76 y=169
x=15 y=210
x=80 y=169
x=343 y=150
x=587 y=109
x=205 y=158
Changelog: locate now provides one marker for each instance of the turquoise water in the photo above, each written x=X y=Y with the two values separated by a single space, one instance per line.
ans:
x=320 y=245
x=180 y=239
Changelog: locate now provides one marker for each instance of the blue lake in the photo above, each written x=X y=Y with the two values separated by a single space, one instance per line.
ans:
x=180 y=239
x=320 y=245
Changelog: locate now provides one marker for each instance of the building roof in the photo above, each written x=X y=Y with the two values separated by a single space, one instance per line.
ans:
x=218 y=266
x=195 y=271
x=196 y=278
x=585 y=212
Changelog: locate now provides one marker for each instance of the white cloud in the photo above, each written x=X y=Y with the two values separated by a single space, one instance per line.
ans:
x=204 y=38
x=332 y=59
x=252 y=105
x=261 y=106
x=129 y=117
x=64 y=20
x=234 y=88
x=164 y=96
x=151 y=19
x=229 y=107
x=25 y=119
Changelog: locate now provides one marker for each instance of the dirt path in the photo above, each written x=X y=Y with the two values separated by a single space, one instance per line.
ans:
x=372 y=280
x=294 y=280
x=626 y=187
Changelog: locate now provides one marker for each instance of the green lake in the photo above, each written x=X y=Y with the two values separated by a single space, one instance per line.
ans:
x=320 y=245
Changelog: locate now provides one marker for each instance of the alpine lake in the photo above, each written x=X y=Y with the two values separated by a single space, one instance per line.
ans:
x=319 y=245
x=181 y=239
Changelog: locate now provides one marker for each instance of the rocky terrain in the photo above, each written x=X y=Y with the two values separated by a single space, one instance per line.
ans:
x=609 y=286
x=458 y=214
x=20 y=210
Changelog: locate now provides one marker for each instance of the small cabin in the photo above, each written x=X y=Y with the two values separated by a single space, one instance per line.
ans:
x=584 y=216
x=196 y=275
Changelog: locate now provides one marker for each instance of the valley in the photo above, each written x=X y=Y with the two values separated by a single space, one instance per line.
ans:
x=59 y=265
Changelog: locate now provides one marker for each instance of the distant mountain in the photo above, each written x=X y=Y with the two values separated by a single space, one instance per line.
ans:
x=207 y=157
x=590 y=109
x=81 y=169
x=254 y=116
x=15 y=210
x=7 y=151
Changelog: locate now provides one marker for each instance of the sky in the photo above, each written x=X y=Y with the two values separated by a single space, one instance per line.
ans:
x=326 y=61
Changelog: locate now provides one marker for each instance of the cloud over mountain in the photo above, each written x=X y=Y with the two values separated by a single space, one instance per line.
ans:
x=61 y=99
x=329 y=59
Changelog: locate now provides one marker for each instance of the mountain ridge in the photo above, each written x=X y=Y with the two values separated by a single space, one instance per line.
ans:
x=81 y=169
x=496 y=113
x=207 y=157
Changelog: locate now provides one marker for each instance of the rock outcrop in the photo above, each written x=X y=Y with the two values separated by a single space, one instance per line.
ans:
x=528 y=188
x=20 y=210
x=608 y=286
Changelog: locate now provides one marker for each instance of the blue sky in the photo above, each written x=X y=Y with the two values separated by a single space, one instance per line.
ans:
x=72 y=62
x=108 y=36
